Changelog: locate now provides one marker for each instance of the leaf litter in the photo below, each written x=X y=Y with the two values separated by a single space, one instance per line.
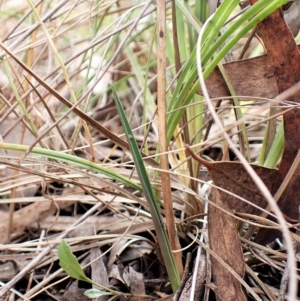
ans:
x=115 y=239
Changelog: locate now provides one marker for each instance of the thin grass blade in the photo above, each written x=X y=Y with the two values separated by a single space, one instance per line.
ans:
x=151 y=199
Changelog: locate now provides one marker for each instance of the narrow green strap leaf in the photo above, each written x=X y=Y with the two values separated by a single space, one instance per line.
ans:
x=151 y=199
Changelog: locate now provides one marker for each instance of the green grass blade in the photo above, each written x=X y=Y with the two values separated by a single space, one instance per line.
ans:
x=73 y=160
x=151 y=199
x=276 y=149
x=187 y=84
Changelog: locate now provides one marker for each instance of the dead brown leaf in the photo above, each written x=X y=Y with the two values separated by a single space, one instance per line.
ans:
x=74 y=293
x=251 y=77
x=284 y=61
x=99 y=272
x=232 y=177
x=116 y=274
x=137 y=285
x=248 y=78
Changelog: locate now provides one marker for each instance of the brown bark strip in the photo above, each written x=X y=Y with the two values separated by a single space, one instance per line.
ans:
x=224 y=241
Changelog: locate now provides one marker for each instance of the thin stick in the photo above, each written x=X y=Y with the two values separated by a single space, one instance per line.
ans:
x=162 y=130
